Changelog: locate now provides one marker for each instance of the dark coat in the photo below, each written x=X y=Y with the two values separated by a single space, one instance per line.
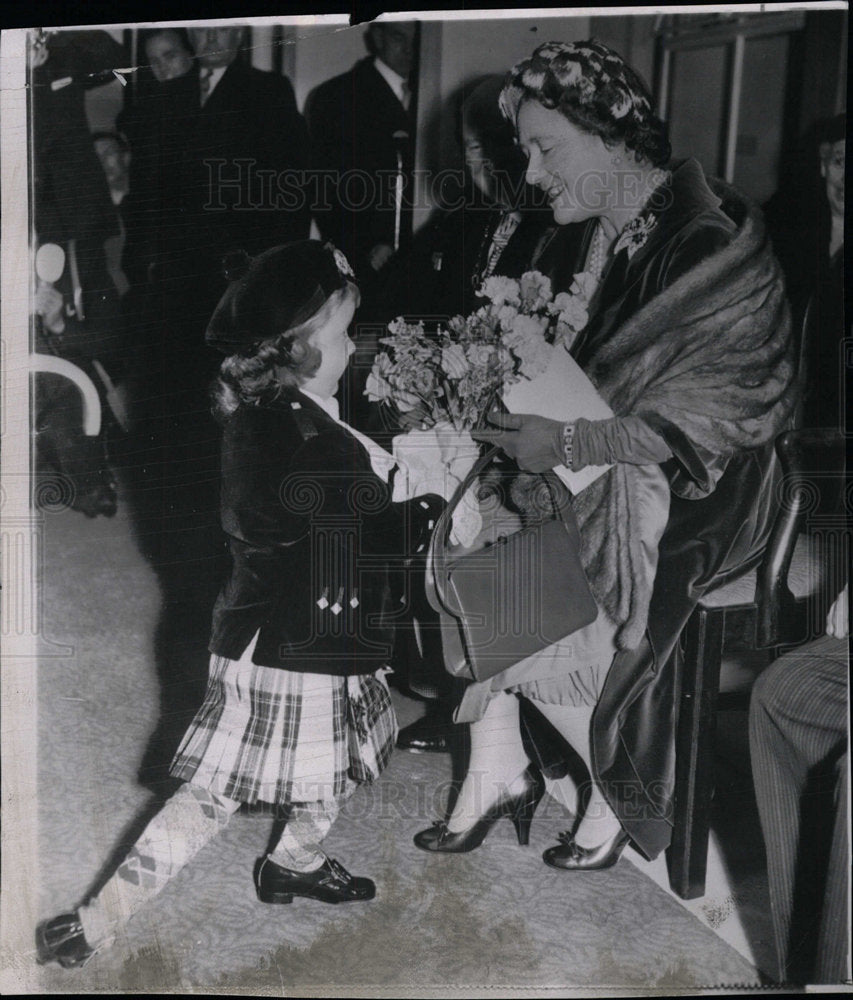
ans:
x=352 y=119
x=720 y=510
x=248 y=125
x=313 y=537
x=237 y=162
x=72 y=198
x=157 y=126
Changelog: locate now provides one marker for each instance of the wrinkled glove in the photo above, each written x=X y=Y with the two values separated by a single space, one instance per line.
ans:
x=536 y=443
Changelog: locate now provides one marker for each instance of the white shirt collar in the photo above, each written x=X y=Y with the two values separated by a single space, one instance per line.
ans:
x=215 y=76
x=393 y=79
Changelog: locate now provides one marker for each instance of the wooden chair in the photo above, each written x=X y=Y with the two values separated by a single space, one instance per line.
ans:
x=782 y=603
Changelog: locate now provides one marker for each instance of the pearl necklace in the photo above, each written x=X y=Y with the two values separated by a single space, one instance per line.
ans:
x=597 y=253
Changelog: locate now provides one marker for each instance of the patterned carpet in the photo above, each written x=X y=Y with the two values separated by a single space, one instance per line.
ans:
x=495 y=918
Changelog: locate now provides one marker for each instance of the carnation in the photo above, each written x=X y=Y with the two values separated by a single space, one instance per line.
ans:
x=535 y=289
x=500 y=290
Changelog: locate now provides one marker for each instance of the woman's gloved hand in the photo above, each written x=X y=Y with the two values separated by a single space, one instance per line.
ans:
x=536 y=443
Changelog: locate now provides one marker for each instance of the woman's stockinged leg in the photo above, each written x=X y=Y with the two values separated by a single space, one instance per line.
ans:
x=187 y=822
x=497 y=758
x=599 y=822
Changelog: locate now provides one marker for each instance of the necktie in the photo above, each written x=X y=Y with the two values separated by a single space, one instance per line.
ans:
x=405 y=95
x=204 y=83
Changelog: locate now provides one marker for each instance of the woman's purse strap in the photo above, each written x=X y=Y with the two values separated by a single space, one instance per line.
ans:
x=441 y=533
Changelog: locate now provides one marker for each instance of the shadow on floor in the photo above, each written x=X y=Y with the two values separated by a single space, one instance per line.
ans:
x=168 y=467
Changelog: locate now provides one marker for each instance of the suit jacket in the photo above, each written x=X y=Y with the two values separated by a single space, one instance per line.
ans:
x=352 y=119
x=313 y=537
x=72 y=195
x=240 y=172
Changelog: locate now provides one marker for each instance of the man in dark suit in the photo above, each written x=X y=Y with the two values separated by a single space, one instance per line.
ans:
x=361 y=125
x=244 y=155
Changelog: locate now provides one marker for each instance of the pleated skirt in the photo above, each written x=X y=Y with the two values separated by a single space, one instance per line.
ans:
x=263 y=734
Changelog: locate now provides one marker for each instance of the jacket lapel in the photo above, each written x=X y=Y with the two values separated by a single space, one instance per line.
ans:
x=384 y=97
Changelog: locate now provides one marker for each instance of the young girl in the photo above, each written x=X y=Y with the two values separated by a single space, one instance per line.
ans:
x=296 y=713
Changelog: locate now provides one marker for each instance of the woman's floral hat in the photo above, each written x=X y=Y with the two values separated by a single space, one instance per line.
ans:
x=274 y=292
x=587 y=73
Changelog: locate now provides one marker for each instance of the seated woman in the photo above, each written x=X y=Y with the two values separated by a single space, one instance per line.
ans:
x=688 y=341
x=296 y=713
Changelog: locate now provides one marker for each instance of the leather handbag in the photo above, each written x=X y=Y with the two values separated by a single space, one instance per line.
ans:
x=516 y=595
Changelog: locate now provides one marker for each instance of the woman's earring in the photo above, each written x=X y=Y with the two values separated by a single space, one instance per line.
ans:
x=616 y=160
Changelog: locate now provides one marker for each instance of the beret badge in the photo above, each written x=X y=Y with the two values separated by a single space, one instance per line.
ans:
x=341 y=262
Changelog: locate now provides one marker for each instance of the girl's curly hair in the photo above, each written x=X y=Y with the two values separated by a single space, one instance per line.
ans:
x=259 y=373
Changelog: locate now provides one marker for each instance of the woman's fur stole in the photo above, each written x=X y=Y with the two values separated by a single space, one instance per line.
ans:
x=712 y=354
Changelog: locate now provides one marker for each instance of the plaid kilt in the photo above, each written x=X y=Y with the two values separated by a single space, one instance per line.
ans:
x=282 y=736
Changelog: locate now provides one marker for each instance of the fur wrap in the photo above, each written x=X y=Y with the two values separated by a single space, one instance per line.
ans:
x=712 y=354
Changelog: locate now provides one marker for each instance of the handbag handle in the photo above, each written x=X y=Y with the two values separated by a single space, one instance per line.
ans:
x=443 y=525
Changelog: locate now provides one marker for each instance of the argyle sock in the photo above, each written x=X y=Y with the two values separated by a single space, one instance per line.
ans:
x=299 y=847
x=190 y=819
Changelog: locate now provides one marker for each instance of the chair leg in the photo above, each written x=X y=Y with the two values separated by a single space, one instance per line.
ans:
x=687 y=856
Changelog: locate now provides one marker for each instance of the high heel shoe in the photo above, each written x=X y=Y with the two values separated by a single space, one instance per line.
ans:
x=571 y=857
x=518 y=805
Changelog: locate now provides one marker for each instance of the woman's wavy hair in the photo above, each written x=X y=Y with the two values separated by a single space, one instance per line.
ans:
x=596 y=90
x=259 y=374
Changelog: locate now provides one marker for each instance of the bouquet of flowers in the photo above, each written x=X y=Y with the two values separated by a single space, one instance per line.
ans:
x=446 y=381
x=453 y=375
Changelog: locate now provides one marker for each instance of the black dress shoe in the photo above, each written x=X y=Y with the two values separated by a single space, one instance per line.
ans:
x=62 y=940
x=571 y=857
x=518 y=803
x=434 y=733
x=330 y=883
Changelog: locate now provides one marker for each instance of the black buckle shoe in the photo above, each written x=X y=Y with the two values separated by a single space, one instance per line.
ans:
x=330 y=883
x=62 y=940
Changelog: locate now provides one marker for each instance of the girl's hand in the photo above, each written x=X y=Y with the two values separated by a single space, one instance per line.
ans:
x=536 y=443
